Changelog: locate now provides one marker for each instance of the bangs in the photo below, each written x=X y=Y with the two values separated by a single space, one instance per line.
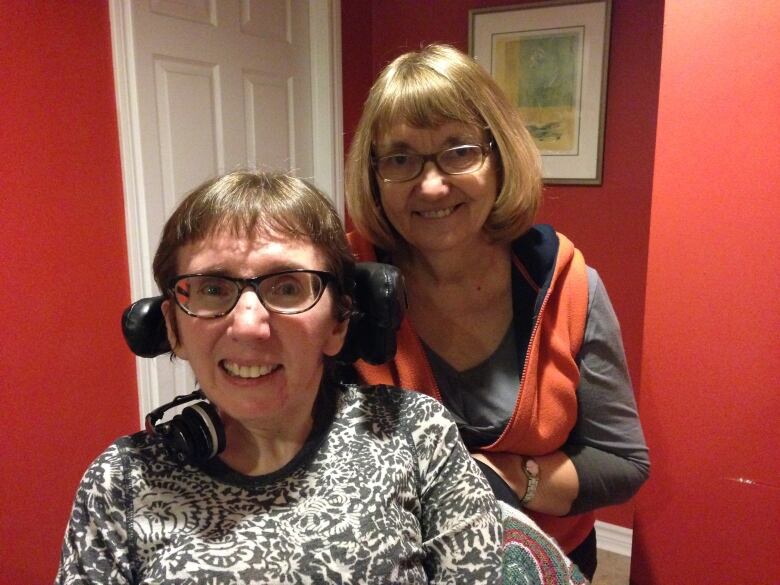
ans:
x=422 y=98
x=246 y=223
x=255 y=205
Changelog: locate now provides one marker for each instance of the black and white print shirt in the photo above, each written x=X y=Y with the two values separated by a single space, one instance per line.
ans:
x=386 y=494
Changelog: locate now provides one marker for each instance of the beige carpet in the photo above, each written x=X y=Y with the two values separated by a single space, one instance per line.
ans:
x=613 y=569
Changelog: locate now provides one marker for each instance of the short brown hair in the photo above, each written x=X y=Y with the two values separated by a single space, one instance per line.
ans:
x=425 y=89
x=244 y=201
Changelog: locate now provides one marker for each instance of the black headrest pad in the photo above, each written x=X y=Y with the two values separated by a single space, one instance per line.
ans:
x=380 y=299
x=380 y=303
x=143 y=326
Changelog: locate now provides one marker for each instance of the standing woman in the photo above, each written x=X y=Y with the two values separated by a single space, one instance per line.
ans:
x=506 y=325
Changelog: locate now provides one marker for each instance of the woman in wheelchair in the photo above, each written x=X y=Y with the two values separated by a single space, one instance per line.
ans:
x=280 y=472
x=283 y=475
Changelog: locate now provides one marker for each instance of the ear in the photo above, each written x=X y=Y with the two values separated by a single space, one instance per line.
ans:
x=169 y=312
x=335 y=341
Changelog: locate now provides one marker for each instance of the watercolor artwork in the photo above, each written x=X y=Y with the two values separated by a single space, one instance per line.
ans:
x=541 y=72
x=551 y=58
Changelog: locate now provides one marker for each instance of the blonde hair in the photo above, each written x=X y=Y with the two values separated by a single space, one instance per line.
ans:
x=425 y=89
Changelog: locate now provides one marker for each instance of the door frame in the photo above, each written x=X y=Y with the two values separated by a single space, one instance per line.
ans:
x=328 y=155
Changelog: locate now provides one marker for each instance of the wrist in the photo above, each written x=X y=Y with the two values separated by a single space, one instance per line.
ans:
x=531 y=470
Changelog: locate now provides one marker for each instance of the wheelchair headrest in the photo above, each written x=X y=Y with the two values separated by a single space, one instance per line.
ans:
x=380 y=302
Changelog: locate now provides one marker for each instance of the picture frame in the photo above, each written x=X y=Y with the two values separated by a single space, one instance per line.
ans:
x=551 y=60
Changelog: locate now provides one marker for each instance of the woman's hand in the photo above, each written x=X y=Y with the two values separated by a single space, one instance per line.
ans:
x=558 y=481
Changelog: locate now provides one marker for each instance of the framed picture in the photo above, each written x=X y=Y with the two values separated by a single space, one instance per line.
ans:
x=551 y=60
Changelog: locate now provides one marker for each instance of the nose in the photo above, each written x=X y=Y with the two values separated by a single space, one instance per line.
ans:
x=249 y=317
x=433 y=182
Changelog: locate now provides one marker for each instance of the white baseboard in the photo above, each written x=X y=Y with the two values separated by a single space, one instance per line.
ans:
x=614 y=538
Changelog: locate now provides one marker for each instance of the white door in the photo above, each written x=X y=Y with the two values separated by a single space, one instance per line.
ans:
x=206 y=86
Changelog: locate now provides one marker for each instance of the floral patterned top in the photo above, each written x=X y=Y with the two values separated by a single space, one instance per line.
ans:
x=382 y=492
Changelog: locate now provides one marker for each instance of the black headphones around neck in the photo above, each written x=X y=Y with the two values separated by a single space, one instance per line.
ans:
x=194 y=436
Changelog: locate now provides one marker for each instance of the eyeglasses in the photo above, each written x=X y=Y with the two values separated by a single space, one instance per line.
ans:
x=405 y=166
x=287 y=292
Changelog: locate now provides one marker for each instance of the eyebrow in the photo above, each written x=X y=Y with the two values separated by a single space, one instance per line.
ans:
x=449 y=142
x=221 y=271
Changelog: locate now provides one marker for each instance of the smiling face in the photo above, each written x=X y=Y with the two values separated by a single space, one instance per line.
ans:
x=257 y=367
x=436 y=212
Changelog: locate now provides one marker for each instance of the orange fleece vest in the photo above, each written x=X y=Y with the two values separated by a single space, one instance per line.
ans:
x=546 y=409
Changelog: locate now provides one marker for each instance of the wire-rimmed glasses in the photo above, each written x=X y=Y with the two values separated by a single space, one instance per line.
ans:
x=406 y=166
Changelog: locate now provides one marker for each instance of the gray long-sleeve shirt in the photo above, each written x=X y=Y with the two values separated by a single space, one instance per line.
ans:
x=606 y=445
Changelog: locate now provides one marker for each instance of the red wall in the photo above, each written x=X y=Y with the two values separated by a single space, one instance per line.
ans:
x=711 y=357
x=68 y=383
x=610 y=222
x=707 y=349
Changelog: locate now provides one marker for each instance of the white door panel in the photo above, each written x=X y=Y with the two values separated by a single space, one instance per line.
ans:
x=188 y=113
x=264 y=94
x=204 y=11
x=206 y=86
